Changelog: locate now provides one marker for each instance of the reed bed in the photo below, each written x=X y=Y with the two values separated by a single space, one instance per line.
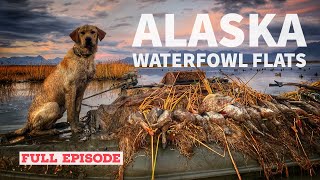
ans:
x=11 y=74
x=112 y=70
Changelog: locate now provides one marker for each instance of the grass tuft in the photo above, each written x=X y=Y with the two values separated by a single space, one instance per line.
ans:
x=112 y=70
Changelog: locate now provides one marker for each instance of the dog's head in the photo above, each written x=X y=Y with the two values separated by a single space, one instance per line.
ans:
x=87 y=36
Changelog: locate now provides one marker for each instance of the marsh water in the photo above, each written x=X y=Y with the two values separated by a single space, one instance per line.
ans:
x=15 y=98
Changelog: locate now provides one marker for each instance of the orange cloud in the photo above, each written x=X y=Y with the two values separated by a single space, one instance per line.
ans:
x=296 y=2
x=304 y=10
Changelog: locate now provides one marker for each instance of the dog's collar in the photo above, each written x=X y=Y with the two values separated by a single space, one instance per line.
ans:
x=78 y=52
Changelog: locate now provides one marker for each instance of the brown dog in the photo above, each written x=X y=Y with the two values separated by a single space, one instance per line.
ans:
x=63 y=89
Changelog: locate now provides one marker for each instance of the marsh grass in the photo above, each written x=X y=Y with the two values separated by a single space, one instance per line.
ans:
x=24 y=73
x=11 y=74
x=112 y=70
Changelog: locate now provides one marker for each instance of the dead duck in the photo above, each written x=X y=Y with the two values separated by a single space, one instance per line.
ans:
x=138 y=119
x=154 y=114
x=248 y=124
x=183 y=115
x=265 y=113
x=215 y=117
x=272 y=106
x=163 y=119
x=254 y=114
x=214 y=102
x=307 y=107
x=256 y=119
x=238 y=113
x=204 y=122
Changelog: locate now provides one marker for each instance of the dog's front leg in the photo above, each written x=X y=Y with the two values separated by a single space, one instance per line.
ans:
x=79 y=98
x=71 y=109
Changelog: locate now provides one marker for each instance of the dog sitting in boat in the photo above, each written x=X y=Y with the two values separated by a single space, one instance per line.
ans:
x=64 y=88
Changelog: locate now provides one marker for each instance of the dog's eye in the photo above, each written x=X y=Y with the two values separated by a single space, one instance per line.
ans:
x=82 y=33
x=92 y=32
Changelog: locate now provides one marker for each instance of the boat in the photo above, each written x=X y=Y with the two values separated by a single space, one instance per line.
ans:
x=170 y=164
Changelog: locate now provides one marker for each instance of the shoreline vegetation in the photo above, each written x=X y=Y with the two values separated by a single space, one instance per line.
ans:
x=37 y=73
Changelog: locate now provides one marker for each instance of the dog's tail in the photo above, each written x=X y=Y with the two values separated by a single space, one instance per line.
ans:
x=6 y=138
x=18 y=132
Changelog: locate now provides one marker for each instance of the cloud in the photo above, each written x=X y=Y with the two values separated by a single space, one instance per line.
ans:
x=104 y=2
x=247 y=14
x=63 y=10
x=188 y=9
x=67 y=4
x=152 y=1
x=159 y=15
x=119 y=25
x=231 y=6
x=146 y=3
x=28 y=20
x=310 y=31
x=204 y=11
x=101 y=14
x=101 y=3
x=124 y=19
x=4 y=44
x=110 y=43
x=118 y=51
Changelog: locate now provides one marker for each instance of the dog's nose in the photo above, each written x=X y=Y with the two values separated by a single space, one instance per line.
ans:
x=88 y=40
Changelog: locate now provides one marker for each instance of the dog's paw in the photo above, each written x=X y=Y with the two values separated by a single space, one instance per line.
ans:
x=76 y=129
x=83 y=138
x=55 y=131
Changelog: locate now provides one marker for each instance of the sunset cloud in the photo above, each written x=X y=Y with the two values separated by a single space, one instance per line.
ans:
x=31 y=27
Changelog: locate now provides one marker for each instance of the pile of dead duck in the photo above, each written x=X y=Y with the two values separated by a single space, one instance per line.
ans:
x=269 y=129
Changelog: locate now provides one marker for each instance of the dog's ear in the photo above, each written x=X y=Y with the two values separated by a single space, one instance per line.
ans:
x=101 y=34
x=75 y=35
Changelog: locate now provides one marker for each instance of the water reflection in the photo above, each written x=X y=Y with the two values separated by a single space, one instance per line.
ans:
x=16 y=98
x=6 y=92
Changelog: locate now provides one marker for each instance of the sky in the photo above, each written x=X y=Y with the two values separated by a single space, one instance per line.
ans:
x=42 y=27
